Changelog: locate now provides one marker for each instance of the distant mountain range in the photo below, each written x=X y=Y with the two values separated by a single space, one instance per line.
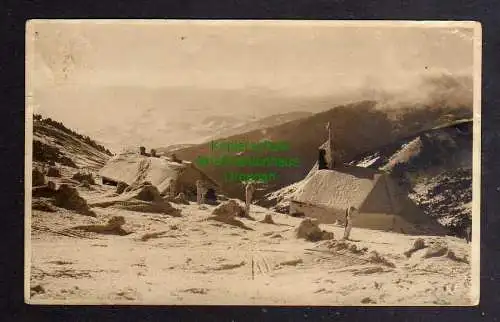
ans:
x=227 y=126
x=357 y=128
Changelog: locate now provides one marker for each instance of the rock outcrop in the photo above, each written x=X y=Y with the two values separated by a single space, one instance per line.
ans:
x=81 y=177
x=120 y=188
x=54 y=172
x=309 y=230
x=417 y=245
x=268 y=219
x=68 y=197
x=181 y=199
x=228 y=211
x=112 y=227
x=37 y=177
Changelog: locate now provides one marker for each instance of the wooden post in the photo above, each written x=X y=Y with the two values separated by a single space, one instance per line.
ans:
x=252 y=268
x=330 y=146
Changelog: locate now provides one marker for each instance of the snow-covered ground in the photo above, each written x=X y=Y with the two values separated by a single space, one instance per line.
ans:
x=200 y=261
x=194 y=260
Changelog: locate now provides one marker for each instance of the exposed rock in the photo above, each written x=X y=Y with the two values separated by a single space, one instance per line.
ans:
x=85 y=184
x=54 y=172
x=34 y=290
x=229 y=266
x=229 y=210
x=67 y=197
x=436 y=250
x=181 y=199
x=451 y=255
x=116 y=222
x=148 y=236
x=298 y=215
x=137 y=186
x=292 y=262
x=45 y=191
x=162 y=206
x=47 y=153
x=42 y=205
x=309 y=230
x=417 y=245
x=52 y=185
x=368 y=300
x=120 y=188
x=149 y=193
x=37 y=177
x=268 y=219
x=112 y=227
x=282 y=208
x=327 y=235
x=80 y=177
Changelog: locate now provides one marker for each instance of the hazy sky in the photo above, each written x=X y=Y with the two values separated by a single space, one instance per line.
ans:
x=300 y=60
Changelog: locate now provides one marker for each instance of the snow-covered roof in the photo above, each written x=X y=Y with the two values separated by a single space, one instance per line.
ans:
x=337 y=189
x=133 y=167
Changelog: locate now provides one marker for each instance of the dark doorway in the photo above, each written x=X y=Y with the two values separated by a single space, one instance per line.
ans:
x=211 y=197
x=109 y=182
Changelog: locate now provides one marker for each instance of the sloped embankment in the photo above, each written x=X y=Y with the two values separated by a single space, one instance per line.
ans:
x=51 y=144
x=436 y=168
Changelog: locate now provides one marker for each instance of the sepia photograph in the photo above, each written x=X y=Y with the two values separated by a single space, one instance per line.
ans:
x=252 y=162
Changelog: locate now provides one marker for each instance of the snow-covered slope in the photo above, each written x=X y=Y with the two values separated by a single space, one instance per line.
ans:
x=57 y=144
x=435 y=166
